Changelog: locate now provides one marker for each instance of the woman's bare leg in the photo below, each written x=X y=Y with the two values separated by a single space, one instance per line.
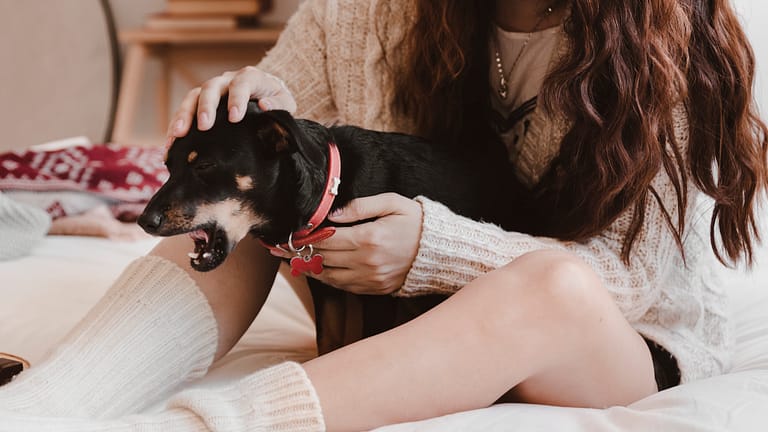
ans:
x=236 y=290
x=543 y=325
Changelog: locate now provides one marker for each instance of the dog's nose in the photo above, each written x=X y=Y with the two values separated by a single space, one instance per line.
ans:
x=151 y=221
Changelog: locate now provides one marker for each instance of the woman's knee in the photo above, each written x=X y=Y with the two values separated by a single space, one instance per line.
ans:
x=554 y=285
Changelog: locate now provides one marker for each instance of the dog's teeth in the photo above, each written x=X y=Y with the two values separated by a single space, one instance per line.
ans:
x=192 y=255
x=207 y=255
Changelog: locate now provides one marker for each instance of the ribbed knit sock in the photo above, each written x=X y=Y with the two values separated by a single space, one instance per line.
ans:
x=21 y=228
x=279 y=398
x=153 y=330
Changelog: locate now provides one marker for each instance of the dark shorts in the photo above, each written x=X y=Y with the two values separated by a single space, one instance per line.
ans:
x=665 y=367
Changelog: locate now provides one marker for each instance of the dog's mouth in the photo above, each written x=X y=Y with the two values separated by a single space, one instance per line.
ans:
x=211 y=248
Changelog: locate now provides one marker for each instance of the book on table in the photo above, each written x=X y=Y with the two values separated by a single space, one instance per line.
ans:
x=213 y=7
x=165 y=21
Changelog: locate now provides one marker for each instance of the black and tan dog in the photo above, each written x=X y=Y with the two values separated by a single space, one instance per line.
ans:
x=265 y=176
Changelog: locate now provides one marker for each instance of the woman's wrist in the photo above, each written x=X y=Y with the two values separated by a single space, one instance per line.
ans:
x=450 y=252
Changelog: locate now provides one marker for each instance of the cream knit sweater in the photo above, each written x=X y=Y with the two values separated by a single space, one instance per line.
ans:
x=332 y=59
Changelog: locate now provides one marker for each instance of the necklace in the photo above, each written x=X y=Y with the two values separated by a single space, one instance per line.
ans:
x=504 y=80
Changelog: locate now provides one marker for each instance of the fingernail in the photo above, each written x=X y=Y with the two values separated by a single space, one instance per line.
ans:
x=234 y=114
x=177 y=127
x=204 y=117
x=265 y=105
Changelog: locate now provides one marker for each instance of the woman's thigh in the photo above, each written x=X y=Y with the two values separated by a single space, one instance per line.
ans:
x=602 y=361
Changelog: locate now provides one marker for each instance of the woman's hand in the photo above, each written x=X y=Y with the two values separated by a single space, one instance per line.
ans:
x=372 y=257
x=243 y=85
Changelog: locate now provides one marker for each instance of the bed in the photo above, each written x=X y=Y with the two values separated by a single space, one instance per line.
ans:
x=45 y=293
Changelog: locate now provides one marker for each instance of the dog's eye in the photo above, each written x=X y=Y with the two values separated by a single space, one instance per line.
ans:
x=204 y=166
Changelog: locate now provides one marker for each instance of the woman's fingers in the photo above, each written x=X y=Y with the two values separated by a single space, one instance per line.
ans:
x=182 y=119
x=371 y=257
x=340 y=259
x=344 y=239
x=253 y=83
x=241 y=86
x=240 y=90
x=210 y=95
x=281 y=98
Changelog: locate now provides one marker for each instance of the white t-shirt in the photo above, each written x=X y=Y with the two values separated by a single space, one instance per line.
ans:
x=511 y=115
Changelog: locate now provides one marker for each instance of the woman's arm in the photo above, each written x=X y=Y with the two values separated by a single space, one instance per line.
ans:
x=455 y=250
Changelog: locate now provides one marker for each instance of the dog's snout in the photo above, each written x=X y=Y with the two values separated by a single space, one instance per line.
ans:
x=151 y=221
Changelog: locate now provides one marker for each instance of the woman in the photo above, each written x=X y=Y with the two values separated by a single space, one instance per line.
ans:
x=604 y=297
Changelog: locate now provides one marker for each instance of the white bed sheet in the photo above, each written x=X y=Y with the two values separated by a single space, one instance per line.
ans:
x=46 y=293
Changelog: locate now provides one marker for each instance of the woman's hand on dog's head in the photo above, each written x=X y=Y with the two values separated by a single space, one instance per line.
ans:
x=241 y=86
x=372 y=257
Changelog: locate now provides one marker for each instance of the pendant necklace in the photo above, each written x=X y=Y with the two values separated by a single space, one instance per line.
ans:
x=504 y=80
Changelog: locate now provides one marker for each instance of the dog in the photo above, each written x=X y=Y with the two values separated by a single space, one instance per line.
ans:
x=266 y=175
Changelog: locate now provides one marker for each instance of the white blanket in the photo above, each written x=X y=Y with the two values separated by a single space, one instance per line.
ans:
x=44 y=295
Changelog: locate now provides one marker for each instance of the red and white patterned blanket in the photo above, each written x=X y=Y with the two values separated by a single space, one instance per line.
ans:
x=123 y=177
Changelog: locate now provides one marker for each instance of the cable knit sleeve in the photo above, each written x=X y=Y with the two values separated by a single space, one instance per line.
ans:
x=454 y=250
x=299 y=58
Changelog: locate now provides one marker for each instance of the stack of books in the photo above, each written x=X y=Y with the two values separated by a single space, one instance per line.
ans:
x=207 y=14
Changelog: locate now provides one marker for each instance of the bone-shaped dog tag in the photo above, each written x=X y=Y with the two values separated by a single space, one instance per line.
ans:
x=302 y=264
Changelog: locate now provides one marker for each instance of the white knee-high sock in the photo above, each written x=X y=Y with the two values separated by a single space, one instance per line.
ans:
x=280 y=398
x=153 y=330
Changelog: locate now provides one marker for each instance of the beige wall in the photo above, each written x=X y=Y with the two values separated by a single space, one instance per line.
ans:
x=55 y=76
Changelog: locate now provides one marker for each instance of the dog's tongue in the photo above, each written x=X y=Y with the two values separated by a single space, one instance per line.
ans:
x=199 y=235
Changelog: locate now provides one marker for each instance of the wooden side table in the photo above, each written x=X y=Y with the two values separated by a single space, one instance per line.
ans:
x=143 y=43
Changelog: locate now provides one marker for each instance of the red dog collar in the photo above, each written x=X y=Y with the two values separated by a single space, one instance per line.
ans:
x=310 y=234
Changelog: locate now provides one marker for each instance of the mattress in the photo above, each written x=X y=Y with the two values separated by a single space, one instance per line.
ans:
x=43 y=295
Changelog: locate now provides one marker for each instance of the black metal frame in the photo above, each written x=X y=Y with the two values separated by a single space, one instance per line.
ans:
x=114 y=47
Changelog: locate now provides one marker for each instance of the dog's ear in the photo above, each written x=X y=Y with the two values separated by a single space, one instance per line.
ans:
x=280 y=129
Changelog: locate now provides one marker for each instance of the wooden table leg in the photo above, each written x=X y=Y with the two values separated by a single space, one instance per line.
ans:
x=130 y=90
x=190 y=79
x=163 y=96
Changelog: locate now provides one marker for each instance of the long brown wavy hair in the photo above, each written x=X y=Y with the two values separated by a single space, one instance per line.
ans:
x=630 y=64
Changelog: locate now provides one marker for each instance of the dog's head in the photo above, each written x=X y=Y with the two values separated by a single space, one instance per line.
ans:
x=234 y=179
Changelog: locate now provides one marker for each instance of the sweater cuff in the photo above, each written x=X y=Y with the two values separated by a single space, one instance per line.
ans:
x=453 y=251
